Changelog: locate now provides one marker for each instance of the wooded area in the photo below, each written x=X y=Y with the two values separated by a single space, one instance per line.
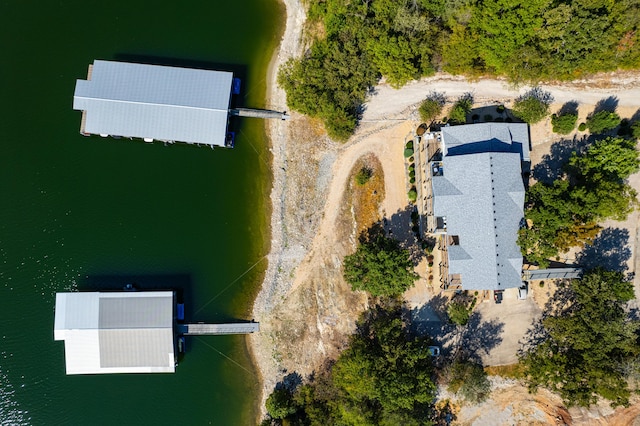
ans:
x=357 y=42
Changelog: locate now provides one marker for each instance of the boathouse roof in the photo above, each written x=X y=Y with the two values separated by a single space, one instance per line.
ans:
x=154 y=102
x=116 y=332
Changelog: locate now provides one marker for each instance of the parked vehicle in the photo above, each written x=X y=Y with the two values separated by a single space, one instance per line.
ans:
x=523 y=291
x=497 y=295
x=434 y=350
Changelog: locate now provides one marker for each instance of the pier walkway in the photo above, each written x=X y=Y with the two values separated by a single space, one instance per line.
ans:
x=258 y=113
x=201 y=329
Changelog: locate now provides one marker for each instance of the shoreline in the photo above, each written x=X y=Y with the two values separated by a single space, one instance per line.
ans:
x=289 y=45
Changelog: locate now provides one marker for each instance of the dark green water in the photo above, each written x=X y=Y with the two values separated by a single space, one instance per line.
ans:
x=87 y=213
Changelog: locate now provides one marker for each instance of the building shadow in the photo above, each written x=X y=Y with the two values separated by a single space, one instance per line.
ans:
x=609 y=104
x=552 y=165
x=609 y=250
x=431 y=320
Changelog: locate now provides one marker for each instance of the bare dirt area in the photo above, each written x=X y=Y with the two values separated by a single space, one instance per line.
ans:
x=307 y=311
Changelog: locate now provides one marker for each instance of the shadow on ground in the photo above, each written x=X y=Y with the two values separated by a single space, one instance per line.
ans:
x=400 y=227
x=551 y=166
x=609 y=250
x=480 y=337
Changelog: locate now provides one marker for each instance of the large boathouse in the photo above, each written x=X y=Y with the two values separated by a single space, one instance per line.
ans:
x=154 y=102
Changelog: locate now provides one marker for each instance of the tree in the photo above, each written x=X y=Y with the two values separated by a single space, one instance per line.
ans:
x=602 y=121
x=431 y=107
x=533 y=105
x=379 y=266
x=612 y=159
x=469 y=380
x=563 y=124
x=459 y=312
x=586 y=342
x=460 y=109
x=280 y=404
x=363 y=175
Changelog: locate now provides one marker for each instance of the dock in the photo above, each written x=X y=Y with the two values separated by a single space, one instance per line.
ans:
x=201 y=329
x=258 y=113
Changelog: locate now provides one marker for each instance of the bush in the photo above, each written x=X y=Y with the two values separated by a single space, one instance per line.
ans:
x=470 y=381
x=408 y=152
x=412 y=173
x=462 y=107
x=488 y=117
x=474 y=117
x=602 y=121
x=412 y=167
x=533 y=105
x=412 y=194
x=500 y=109
x=458 y=313
x=280 y=404
x=363 y=175
x=635 y=129
x=431 y=107
x=409 y=145
x=412 y=180
x=582 y=127
x=564 y=124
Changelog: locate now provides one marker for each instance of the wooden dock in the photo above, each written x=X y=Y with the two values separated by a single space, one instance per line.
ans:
x=201 y=329
x=258 y=113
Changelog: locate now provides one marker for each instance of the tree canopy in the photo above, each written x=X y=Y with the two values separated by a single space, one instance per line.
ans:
x=382 y=378
x=356 y=43
x=565 y=213
x=602 y=121
x=586 y=341
x=533 y=105
x=563 y=124
x=380 y=266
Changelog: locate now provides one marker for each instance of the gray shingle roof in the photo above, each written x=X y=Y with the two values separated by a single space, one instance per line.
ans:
x=481 y=194
x=152 y=101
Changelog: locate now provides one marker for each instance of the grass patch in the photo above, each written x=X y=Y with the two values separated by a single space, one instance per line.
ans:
x=511 y=371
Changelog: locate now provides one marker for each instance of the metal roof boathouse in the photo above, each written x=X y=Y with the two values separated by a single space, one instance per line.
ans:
x=128 y=331
x=117 y=332
x=154 y=102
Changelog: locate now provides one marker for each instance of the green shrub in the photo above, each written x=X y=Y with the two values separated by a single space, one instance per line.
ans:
x=412 y=180
x=460 y=109
x=500 y=109
x=488 y=117
x=582 y=127
x=458 y=313
x=408 y=152
x=431 y=107
x=602 y=121
x=412 y=194
x=363 y=175
x=533 y=105
x=412 y=167
x=412 y=173
x=564 y=124
x=474 y=117
x=635 y=129
x=409 y=145
x=469 y=380
x=280 y=404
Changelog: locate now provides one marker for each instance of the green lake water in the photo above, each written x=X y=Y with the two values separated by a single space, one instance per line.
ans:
x=91 y=213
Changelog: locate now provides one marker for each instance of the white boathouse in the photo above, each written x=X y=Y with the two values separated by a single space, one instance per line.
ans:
x=154 y=102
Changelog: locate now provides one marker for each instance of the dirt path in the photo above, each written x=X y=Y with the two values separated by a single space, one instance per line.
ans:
x=305 y=309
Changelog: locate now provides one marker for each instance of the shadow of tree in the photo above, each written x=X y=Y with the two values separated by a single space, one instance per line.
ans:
x=480 y=337
x=609 y=250
x=551 y=166
x=607 y=104
x=570 y=107
x=431 y=319
x=399 y=227
x=636 y=116
x=290 y=382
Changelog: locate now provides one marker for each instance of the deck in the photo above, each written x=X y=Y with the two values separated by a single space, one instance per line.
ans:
x=201 y=329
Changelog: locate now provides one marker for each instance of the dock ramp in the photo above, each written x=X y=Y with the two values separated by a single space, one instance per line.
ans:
x=202 y=329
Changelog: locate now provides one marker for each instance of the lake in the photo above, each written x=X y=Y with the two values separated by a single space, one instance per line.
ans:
x=89 y=213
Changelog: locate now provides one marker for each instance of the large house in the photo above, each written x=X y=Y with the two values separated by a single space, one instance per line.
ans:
x=475 y=198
